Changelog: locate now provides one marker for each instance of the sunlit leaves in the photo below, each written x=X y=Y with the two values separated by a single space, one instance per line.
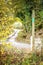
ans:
x=9 y=9
x=6 y=32
x=6 y=17
x=10 y=18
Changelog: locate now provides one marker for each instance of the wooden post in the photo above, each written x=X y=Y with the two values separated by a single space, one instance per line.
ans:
x=33 y=29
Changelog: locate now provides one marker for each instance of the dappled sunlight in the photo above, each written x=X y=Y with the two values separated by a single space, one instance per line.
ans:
x=21 y=32
x=18 y=24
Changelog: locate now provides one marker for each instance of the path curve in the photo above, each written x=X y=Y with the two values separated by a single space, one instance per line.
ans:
x=18 y=44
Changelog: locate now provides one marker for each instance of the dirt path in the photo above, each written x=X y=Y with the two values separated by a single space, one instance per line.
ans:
x=16 y=44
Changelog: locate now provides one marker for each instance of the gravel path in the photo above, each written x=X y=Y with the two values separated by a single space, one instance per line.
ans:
x=18 y=45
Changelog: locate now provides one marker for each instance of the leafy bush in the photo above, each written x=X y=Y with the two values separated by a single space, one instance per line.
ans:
x=10 y=57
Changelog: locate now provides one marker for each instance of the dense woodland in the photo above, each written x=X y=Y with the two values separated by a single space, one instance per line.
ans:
x=20 y=10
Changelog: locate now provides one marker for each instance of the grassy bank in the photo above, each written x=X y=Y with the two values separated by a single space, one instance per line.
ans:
x=23 y=37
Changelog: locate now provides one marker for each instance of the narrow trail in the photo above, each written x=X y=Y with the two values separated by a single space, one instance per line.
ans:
x=21 y=46
x=18 y=45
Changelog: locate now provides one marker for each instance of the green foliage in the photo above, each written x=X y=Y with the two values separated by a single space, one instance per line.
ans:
x=41 y=63
x=18 y=58
x=22 y=9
